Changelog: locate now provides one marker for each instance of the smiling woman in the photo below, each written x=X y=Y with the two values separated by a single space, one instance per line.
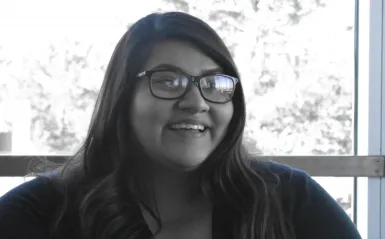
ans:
x=167 y=129
x=164 y=157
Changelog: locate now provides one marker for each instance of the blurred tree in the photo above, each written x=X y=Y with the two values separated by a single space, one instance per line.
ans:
x=61 y=84
x=288 y=52
x=5 y=94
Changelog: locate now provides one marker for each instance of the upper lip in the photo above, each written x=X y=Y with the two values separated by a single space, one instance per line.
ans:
x=192 y=121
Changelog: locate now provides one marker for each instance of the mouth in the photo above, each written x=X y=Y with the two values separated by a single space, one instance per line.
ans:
x=196 y=128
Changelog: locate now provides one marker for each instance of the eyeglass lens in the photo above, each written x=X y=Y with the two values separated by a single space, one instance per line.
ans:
x=169 y=85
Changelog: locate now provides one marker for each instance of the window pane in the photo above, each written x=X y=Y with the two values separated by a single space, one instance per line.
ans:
x=298 y=56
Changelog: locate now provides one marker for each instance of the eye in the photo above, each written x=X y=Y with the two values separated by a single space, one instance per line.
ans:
x=167 y=82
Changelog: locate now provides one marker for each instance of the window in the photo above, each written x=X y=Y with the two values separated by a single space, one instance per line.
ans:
x=298 y=55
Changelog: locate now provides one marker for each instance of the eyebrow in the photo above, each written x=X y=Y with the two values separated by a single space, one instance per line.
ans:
x=177 y=68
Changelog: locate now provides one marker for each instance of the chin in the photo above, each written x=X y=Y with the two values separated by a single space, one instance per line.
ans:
x=188 y=164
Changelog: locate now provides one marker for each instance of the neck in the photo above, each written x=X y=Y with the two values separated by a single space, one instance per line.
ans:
x=170 y=191
x=171 y=183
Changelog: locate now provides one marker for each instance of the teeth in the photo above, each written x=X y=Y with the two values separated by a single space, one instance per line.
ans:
x=188 y=126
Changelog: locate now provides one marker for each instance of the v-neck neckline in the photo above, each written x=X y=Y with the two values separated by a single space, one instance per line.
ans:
x=220 y=224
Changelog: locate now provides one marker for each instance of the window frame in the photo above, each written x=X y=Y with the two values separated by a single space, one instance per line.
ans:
x=370 y=139
x=317 y=166
x=371 y=108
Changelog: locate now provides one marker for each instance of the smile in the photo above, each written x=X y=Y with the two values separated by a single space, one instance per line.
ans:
x=189 y=127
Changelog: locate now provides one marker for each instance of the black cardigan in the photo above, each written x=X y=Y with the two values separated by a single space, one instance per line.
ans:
x=27 y=210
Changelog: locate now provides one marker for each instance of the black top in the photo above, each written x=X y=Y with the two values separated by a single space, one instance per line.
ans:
x=27 y=210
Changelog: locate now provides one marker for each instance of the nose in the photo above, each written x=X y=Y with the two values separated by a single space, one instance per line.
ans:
x=193 y=102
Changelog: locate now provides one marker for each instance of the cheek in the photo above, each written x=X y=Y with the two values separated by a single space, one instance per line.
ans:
x=143 y=116
x=226 y=113
x=222 y=115
x=229 y=112
x=148 y=115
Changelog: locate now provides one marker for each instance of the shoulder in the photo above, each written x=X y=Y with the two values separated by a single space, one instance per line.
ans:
x=313 y=212
x=284 y=175
x=27 y=210
x=296 y=188
x=41 y=191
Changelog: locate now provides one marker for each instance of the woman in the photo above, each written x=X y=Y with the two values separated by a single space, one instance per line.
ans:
x=164 y=156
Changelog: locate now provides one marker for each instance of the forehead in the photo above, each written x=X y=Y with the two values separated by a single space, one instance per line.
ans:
x=182 y=55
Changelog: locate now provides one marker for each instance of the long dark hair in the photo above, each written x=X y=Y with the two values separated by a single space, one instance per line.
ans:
x=99 y=182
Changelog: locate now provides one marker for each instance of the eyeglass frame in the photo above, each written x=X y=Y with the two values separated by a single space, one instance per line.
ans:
x=191 y=79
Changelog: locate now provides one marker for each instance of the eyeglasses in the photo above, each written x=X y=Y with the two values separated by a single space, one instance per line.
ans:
x=170 y=84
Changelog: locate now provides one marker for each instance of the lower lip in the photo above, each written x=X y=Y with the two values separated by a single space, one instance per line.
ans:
x=189 y=133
